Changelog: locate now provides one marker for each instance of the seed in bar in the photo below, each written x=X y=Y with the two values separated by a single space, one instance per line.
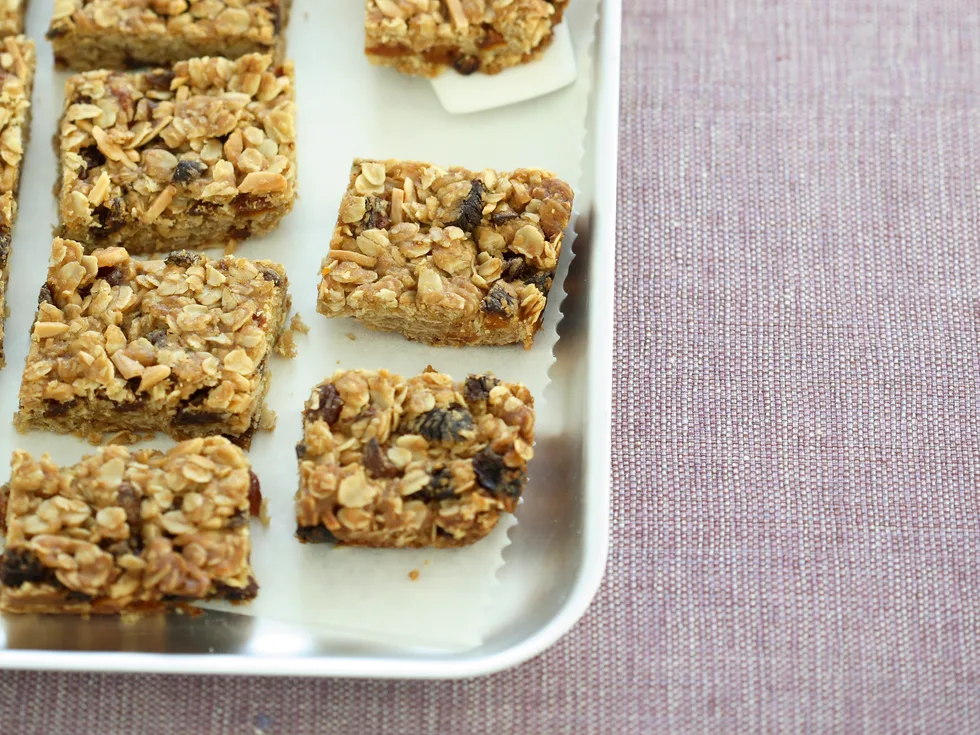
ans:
x=120 y=34
x=123 y=531
x=387 y=461
x=179 y=346
x=446 y=256
x=17 y=64
x=427 y=38
x=167 y=160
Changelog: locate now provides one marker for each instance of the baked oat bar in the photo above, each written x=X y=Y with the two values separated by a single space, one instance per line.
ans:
x=190 y=158
x=17 y=64
x=116 y=34
x=128 y=531
x=179 y=346
x=446 y=257
x=426 y=37
x=12 y=17
x=387 y=461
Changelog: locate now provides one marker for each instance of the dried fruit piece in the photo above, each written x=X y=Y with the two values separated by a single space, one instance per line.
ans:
x=315 y=535
x=495 y=476
x=376 y=214
x=254 y=494
x=471 y=208
x=477 y=387
x=499 y=303
x=326 y=406
x=448 y=424
x=376 y=462
x=187 y=171
x=20 y=566
x=440 y=487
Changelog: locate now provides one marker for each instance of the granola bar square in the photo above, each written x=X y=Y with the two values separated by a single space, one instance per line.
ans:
x=179 y=346
x=125 y=531
x=119 y=34
x=446 y=256
x=427 y=37
x=190 y=158
x=17 y=64
x=12 y=17
x=387 y=461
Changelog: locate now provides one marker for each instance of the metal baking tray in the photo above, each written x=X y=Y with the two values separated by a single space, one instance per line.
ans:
x=556 y=560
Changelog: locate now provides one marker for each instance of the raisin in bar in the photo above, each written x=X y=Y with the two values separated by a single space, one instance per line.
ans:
x=114 y=34
x=179 y=346
x=387 y=461
x=426 y=37
x=446 y=257
x=12 y=17
x=128 y=531
x=190 y=158
x=17 y=64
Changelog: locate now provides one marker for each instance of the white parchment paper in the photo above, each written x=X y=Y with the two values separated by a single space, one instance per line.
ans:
x=346 y=109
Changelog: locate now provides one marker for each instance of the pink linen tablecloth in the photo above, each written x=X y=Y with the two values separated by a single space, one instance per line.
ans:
x=796 y=516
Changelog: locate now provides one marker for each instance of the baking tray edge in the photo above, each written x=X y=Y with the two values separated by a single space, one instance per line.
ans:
x=606 y=107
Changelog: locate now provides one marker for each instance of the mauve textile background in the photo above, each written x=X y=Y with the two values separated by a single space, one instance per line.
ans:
x=797 y=459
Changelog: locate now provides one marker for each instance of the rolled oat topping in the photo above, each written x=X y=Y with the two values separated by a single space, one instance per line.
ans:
x=179 y=345
x=446 y=257
x=426 y=37
x=112 y=34
x=17 y=64
x=189 y=158
x=423 y=461
x=127 y=531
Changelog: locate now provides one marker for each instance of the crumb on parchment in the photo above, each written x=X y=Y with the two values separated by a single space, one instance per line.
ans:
x=286 y=347
x=298 y=325
x=268 y=419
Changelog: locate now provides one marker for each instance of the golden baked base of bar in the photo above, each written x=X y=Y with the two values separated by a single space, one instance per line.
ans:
x=98 y=416
x=81 y=44
x=440 y=332
x=81 y=52
x=426 y=39
x=221 y=225
x=488 y=62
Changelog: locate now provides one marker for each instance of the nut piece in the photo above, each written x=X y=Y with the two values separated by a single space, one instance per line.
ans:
x=424 y=461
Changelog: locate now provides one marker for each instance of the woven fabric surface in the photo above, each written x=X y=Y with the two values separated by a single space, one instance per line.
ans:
x=796 y=522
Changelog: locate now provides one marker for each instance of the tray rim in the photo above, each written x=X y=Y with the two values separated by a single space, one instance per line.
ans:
x=606 y=103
